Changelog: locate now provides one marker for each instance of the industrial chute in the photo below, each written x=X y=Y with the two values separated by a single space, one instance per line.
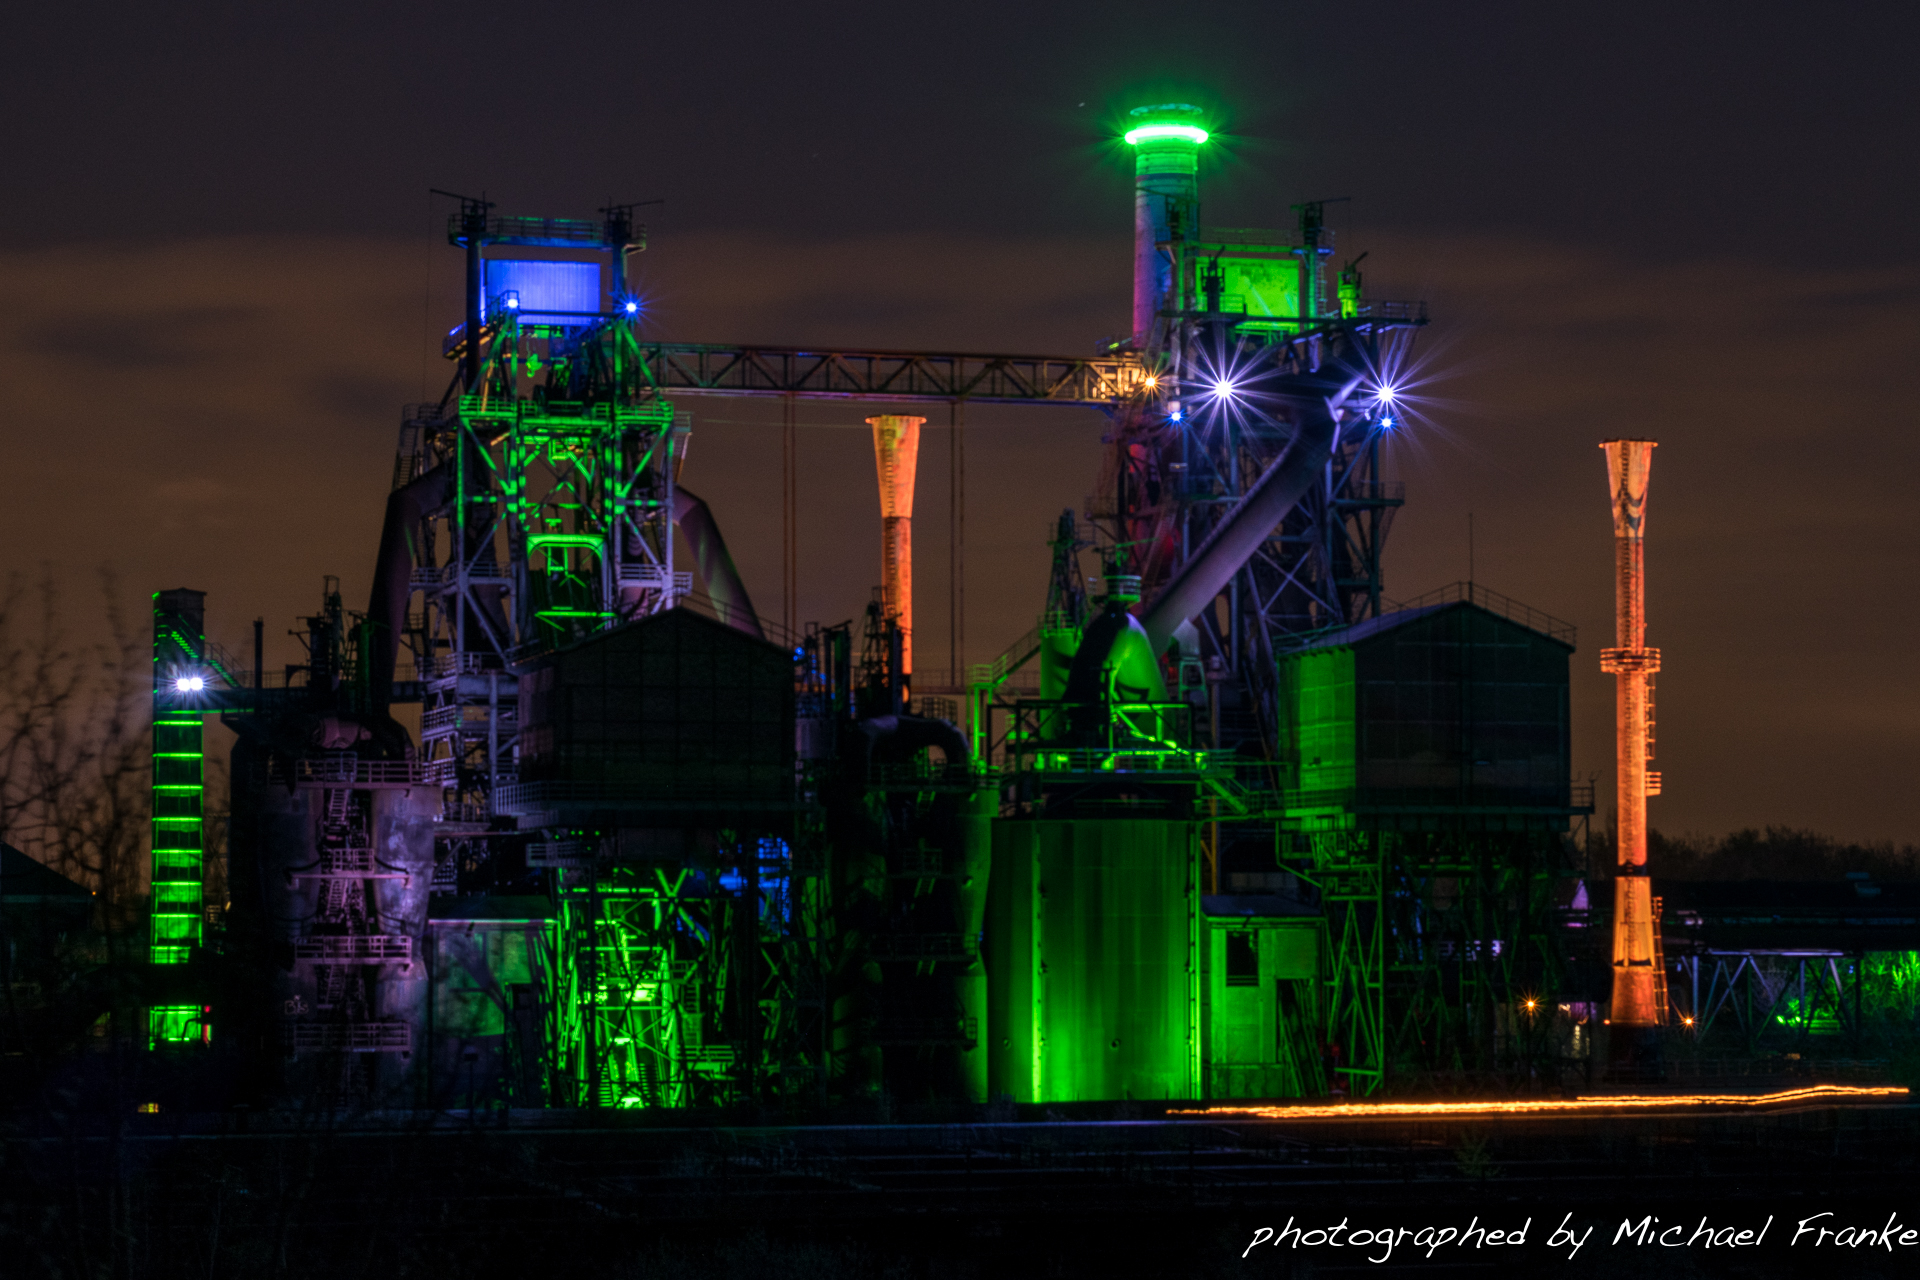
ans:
x=725 y=588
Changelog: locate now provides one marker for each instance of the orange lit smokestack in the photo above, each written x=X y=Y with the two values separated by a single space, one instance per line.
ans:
x=1634 y=1041
x=896 y=451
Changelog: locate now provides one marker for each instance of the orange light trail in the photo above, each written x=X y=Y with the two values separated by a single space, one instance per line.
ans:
x=1562 y=1106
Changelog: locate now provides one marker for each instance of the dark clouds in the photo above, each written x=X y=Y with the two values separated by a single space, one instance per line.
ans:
x=224 y=274
x=1779 y=523
x=1667 y=129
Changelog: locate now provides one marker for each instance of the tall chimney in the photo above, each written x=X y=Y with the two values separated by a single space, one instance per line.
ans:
x=1166 y=139
x=1636 y=1016
x=896 y=451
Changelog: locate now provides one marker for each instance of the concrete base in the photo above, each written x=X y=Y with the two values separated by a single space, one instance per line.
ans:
x=1633 y=1055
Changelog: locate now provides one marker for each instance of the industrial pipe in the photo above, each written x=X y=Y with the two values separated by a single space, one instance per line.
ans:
x=1635 y=1017
x=1253 y=519
x=904 y=735
x=724 y=586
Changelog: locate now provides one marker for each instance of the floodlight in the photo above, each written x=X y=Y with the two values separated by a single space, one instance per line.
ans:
x=1179 y=132
x=189 y=684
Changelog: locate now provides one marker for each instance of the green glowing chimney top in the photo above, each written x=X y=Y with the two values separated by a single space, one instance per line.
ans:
x=1169 y=120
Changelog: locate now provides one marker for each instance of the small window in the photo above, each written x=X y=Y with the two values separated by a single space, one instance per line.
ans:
x=1243 y=961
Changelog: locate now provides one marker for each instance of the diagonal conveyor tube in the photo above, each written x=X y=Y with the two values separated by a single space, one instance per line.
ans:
x=1254 y=518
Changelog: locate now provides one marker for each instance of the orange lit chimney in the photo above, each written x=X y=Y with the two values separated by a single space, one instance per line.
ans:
x=896 y=451
x=1636 y=1016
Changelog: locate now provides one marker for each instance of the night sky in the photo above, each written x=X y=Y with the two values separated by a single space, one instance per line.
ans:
x=224 y=275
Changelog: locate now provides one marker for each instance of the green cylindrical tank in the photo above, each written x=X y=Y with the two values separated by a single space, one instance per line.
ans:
x=1090 y=960
x=976 y=827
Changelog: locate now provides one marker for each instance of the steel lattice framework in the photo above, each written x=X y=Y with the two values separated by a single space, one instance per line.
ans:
x=721 y=369
x=1183 y=459
x=538 y=504
x=550 y=515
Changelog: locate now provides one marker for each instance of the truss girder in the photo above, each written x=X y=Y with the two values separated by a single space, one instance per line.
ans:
x=717 y=369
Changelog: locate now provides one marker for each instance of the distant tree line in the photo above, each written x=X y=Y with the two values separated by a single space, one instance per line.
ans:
x=74 y=773
x=1777 y=853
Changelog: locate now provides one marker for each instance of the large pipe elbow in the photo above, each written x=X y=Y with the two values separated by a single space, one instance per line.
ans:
x=1317 y=399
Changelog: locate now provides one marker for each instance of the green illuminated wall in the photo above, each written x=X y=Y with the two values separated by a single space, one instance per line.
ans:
x=1448 y=705
x=1316 y=695
x=177 y=823
x=178 y=812
x=1266 y=288
x=1263 y=1021
x=1091 y=966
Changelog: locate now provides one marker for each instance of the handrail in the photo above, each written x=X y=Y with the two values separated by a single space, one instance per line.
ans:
x=1493 y=602
x=1014 y=656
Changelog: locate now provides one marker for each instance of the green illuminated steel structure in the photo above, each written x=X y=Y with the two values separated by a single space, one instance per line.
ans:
x=703 y=947
x=635 y=997
x=543 y=482
x=657 y=762
x=539 y=500
x=1252 y=522
x=1220 y=316
x=534 y=507
x=190 y=679
x=1424 y=789
x=1438 y=923
x=180 y=677
x=1758 y=966
x=676 y=863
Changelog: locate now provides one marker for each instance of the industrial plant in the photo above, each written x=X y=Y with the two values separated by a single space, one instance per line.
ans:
x=559 y=819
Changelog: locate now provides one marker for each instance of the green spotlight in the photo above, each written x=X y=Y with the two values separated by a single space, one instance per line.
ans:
x=1149 y=132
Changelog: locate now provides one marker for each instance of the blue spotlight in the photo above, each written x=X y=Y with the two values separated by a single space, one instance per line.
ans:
x=632 y=307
